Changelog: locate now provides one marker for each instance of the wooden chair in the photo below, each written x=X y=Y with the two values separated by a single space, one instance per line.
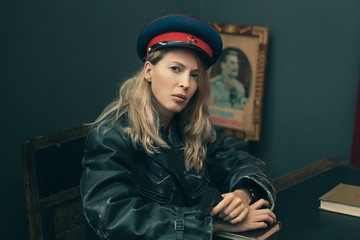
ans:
x=52 y=171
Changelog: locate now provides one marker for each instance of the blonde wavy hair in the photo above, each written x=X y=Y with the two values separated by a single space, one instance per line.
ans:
x=137 y=101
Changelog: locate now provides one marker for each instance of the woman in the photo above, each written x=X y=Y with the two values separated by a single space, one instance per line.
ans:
x=153 y=163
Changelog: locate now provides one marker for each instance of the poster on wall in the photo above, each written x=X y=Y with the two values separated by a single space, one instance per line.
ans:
x=237 y=80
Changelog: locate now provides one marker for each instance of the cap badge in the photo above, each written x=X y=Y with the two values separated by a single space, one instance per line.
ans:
x=192 y=40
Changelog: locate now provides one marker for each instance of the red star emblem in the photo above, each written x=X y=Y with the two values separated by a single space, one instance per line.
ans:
x=192 y=40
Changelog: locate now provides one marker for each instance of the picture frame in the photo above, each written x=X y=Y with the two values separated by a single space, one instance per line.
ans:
x=237 y=80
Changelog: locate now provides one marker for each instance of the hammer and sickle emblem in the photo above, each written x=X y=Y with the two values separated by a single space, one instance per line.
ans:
x=192 y=40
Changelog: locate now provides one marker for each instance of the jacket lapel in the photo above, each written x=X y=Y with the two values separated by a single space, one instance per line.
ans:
x=173 y=160
x=174 y=163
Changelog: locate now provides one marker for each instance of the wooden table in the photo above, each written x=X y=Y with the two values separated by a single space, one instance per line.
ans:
x=297 y=206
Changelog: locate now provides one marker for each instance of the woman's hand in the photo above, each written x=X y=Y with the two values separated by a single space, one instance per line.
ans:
x=257 y=218
x=234 y=207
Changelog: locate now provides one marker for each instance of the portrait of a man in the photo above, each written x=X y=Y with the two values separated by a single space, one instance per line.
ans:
x=230 y=80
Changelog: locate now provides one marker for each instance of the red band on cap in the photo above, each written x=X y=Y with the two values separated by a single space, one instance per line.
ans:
x=181 y=37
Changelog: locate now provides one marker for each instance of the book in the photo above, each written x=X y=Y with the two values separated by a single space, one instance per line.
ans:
x=258 y=234
x=342 y=199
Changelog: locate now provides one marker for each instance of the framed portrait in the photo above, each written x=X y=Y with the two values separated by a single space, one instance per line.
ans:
x=237 y=80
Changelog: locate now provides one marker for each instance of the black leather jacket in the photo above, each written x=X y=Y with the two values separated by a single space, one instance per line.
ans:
x=128 y=194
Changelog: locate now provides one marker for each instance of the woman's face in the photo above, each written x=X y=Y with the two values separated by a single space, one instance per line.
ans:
x=174 y=80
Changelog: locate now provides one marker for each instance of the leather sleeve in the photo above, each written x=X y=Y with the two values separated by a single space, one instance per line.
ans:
x=112 y=204
x=232 y=169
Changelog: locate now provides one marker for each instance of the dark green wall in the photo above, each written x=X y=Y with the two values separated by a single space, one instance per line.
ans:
x=60 y=63
x=311 y=78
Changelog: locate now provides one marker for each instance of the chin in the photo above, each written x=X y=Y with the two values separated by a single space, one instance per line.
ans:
x=177 y=109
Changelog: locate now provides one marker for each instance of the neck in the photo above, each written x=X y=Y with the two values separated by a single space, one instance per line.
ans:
x=227 y=77
x=165 y=120
x=165 y=116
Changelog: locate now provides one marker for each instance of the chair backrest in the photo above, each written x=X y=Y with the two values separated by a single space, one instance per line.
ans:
x=52 y=171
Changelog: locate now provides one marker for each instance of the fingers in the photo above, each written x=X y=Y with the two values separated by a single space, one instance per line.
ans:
x=272 y=216
x=220 y=206
x=256 y=218
x=249 y=223
x=232 y=211
x=257 y=225
x=233 y=208
x=259 y=204
x=240 y=217
x=265 y=215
